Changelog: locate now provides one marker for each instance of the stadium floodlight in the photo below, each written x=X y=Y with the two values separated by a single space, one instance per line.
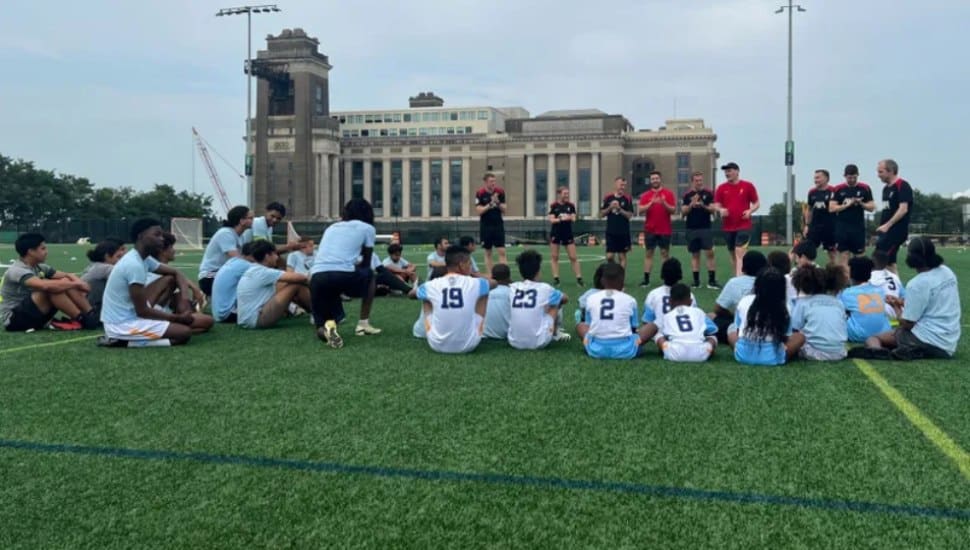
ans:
x=789 y=143
x=249 y=11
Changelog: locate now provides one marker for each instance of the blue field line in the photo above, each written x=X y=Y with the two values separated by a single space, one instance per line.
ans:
x=497 y=479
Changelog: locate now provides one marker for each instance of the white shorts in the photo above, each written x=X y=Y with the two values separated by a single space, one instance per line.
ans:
x=537 y=340
x=687 y=352
x=457 y=343
x=812 y=354
x=137 y=330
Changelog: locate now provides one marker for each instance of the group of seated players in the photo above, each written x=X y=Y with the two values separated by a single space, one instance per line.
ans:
x=769 y=314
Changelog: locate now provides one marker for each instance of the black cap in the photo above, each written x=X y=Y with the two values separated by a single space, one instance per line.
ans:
x=851 y=170
x=731 y=166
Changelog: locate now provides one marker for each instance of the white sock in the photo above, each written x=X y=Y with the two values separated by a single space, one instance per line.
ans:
x=363 y=322
x=160 y=343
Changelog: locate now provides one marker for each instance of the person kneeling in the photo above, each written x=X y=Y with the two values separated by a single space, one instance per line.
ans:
x=264 y=293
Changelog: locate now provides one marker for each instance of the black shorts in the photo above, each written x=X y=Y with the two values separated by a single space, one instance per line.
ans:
x=617 y=242
x=651 y=241
x=822 y=236
x=493 y=236
x=326 y=288
x=699 y=239
x=206 y=285
x=26 y=316
x=737 y=239
x=850 y=239
x=562 y=238
x=890 y=242
x=909 y=347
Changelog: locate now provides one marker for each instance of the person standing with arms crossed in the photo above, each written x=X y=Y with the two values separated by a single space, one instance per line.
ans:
x=562 y=214
x=656 y=204
x=697 y=208
x=490 y=205
x=736 y=200
x=617 y=208
x=897 y=205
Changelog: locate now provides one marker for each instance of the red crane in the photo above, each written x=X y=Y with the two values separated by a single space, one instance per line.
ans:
x=213 y=175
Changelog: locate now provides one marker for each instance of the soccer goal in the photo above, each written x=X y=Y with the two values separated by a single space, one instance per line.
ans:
x=188 y=233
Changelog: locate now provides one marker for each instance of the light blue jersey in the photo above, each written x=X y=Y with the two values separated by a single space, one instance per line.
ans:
x=821 y=318
x=866 y=306
x=224 y=241
x=260 y=231
x=224 y=287
x=131 y=269
x=299 y=262
x=436 y=258
x=498 y=313
x=750 y=349
x=256 y=287
x=341 y=244
x=735 y=289
x=933 y=304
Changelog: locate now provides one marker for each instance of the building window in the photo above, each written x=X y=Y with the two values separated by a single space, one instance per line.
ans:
x=422 y=131
x=364 y=133
x=455 y=187
x=377 y=187
x=435 y=188
x=342 y=119
x=453 y=115
x=683 y=161
x=482 y=115
x=357 y=179
x=416 y=184
x=397 y=117
x=412 y=131
x=407 y=117
x=584 y=205
x=683 y=172
x=468 y=129
x=383 y=131
x=562 y=178
x=542 y=193
x=397 y=185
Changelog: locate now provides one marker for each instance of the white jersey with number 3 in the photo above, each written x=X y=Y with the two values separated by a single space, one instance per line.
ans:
x=891 y=284
x=530 y=326
x=453 y=326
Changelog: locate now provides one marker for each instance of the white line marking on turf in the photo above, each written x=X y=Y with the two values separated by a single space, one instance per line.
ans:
x=48 y=344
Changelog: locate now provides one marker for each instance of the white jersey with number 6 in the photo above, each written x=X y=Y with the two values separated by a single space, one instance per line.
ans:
x=657 y=304
x=611 y=314
x=530 y=326
x=453 y=326
x=686 y=329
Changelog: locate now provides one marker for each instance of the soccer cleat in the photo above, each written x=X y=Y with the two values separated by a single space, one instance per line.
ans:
x=328 y=333
x=713 y=285
x=644 y=284
x=108 y=342
x=364 y=330
x=66 y=325
x=555 y=281
x=562 y=336
x=579 y=282
x=696 y=285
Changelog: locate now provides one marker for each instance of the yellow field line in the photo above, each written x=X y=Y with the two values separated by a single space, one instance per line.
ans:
x=46 y=344
x=938 y=437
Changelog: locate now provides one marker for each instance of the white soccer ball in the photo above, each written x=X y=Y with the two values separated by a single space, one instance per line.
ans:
x=73 y=258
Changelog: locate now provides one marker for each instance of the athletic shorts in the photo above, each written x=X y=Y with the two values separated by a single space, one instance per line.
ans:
x=687 y=352
x=618 y=242
x=137 y=330
x=812 y=354
x=822 y=236
x=326 y=288
x=737 y=239
x=459 y=343
x=205 y=284
x=493 y=236
x=652 y=241
x=612 y=348
x=909 y=347
x=890 y=242
x=699 y=239
x=850 y=239
x=27 y=316
x=562 y=238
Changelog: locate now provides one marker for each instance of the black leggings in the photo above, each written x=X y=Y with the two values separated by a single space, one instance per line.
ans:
x=326 y=288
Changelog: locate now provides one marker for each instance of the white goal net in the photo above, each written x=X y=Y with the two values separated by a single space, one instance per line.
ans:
x=188 y=233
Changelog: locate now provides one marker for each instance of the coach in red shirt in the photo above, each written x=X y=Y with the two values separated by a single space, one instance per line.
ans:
x=736 y=200
x=656 y=204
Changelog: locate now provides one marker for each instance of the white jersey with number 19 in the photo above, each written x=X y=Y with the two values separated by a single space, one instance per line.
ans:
x=453 y=326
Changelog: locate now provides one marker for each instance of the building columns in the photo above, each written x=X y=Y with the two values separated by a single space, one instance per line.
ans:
x=368 y=167
x=551 y=179
x=573 y=178
x=425 y=187
x=386 y=186
x=445 y=187
x=595 y=194
x=466 y=187
x=334 y=190
x=348 y=180
x=405 y=188
x=323 y=185
x=530 y=185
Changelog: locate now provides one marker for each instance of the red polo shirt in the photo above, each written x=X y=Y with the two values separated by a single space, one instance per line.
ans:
x=657 y=220
x=736 y=198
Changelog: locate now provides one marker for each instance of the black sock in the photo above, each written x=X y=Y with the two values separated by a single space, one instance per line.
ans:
x=697 y=277
x=646 y=278
x=579 y=280
x=710 y=276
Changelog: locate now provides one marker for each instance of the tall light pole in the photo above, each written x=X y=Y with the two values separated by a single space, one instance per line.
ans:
x=249 y=11
x=789 y=143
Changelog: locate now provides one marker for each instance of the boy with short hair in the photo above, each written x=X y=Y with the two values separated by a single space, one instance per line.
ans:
x=890 y=283
x=752 y=263
x=499 y=308
x=657 y=304
x=455 y=305
x=32 y=292
x=469 y=244
x=533 y=320
x=226 y=283
x=804 y=253
x=685 y=333
x=864 y=302
x=301 y=259
x=437 y=256
x=611 y=319
x=395 y=264
x=265 y=293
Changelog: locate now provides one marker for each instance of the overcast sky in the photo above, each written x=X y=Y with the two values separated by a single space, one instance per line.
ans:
x=110 y=89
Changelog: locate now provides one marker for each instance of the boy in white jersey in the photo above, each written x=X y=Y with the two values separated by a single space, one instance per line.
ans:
x=535 y=307
x=685 y=333
x=611 y=319
x=657 y=303
x=454 y=305
x=891 y=285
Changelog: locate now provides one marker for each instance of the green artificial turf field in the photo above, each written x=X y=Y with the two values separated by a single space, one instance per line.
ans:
x=271 y=439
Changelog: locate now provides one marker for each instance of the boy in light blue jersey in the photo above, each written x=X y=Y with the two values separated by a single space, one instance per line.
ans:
x=864 y=302
x=301 y=259
x=469 y=244
x=396 y=265
x=437 y=256
x=818 y=314
x=227 y=282
x=499 y=310
x=261 y=301
x=224 y=244
x=611 y=319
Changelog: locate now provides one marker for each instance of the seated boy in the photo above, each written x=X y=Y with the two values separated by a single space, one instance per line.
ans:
x=499 y=304
x=300 y=260
x=533 y=320
x=264 y=293
x=129 y=320
x=454 y=305
x=162 y=291
x=734 y=290
x=890 y=283
x=396 y=265
x=418 y=330
x=226 y=283
x=611 y=319
x=469 y=244
x=437 y=256
x=32 y=292
x=657 y=303
x=685 y=333
x=864 y=302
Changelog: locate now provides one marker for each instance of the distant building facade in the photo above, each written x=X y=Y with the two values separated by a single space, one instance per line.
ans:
x=426 y=162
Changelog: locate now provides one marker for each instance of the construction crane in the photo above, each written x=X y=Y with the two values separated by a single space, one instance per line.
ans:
x=213 y=175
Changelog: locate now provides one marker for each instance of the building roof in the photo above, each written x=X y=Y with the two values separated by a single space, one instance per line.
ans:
x=566 y=113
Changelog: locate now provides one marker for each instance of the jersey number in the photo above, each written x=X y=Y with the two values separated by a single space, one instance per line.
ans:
x=891 y=283
x=666 y=304
x=684 y=324
x=451 y=298
x=606 y=309
x=524 y=299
